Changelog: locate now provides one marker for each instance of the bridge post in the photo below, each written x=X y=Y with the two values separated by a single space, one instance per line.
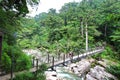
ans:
x=33 y=61
x=67 y=55
x=58 y=56
x=52 y=63
x=36 y=64
x=78 y=56
x=64 y=59
x=72 y=57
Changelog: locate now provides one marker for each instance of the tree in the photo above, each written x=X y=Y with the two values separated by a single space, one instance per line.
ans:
x=10 y=13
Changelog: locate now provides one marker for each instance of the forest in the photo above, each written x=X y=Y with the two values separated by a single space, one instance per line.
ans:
x=60 y=32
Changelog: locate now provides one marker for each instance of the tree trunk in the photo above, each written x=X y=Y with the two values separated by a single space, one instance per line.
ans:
x=86 y=33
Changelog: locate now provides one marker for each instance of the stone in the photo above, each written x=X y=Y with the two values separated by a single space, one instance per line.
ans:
x=99 y=73
x=110 y=76
x=102 y=63
x=99 y=68
x=75 y=70
x=83 y=66
x=91 y=60
x=51 y=75
x=72 y=65
x=89 y=77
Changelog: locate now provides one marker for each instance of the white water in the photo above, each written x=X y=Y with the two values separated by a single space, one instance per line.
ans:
x=62 y=73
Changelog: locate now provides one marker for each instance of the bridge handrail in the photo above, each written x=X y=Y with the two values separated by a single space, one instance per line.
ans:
x=50 y=58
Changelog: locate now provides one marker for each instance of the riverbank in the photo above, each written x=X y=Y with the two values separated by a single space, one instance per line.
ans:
x=86 y=69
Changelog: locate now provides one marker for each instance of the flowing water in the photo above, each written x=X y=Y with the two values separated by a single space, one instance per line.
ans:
x=62 y=73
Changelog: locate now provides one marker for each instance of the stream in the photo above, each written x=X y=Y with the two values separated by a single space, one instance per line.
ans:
x=64 y=74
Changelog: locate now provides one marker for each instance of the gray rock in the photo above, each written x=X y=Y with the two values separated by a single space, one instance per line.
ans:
x=83 y=66
x=102 y=63
x=89 y=77
x=51 y=75
x=99 y=73
x=75 y=70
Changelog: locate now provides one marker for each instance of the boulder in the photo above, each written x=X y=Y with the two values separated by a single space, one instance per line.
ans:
x=75 y=70
x=102 y=63
x=71 y=66
x=89 y=77
x=99 y=73
x=91 y=60
x=51 y=75
x=83 y=66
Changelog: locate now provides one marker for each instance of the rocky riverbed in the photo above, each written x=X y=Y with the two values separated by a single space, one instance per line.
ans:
x=82 y=70
x=86 y=69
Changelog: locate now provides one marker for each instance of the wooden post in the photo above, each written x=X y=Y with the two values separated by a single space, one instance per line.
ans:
x=33 y=61
x=48 y=57
x=72 y=56
x=64 y=59
x=67 y=55
x=78 y=55
x=53 y=63
x=58 y=56
x=36 y=64
x=0 y=46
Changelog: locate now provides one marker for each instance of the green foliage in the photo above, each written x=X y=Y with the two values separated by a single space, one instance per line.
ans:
x=6 y=62
x=14 y=54
x=49 y=27
x=97 y=56
x=59 y=32
x=23 y=60
x=38 y=75
x=116 y=39
x=20 y=6
x=115 y=70
x=107 y=51
x=24 y=76
x=43 y=67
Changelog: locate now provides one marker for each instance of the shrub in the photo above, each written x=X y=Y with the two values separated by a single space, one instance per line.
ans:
x=42 y=68
x=114 y=69
x=38 y=75
x=13 y=53
x=6 y=62
x=24 y=76
x=108 y=53
x=23 y=62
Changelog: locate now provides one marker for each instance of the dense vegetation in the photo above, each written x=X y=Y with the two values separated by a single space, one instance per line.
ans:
x=67 y=28
x=65 y=31
x=38 y=75
x=60 y=32
x=10 y=14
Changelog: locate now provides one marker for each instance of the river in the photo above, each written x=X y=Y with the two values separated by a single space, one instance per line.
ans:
x=61 y=72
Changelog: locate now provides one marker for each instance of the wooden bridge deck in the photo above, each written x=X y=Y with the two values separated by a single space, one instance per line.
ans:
x=76 y=57
x=53 y=63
